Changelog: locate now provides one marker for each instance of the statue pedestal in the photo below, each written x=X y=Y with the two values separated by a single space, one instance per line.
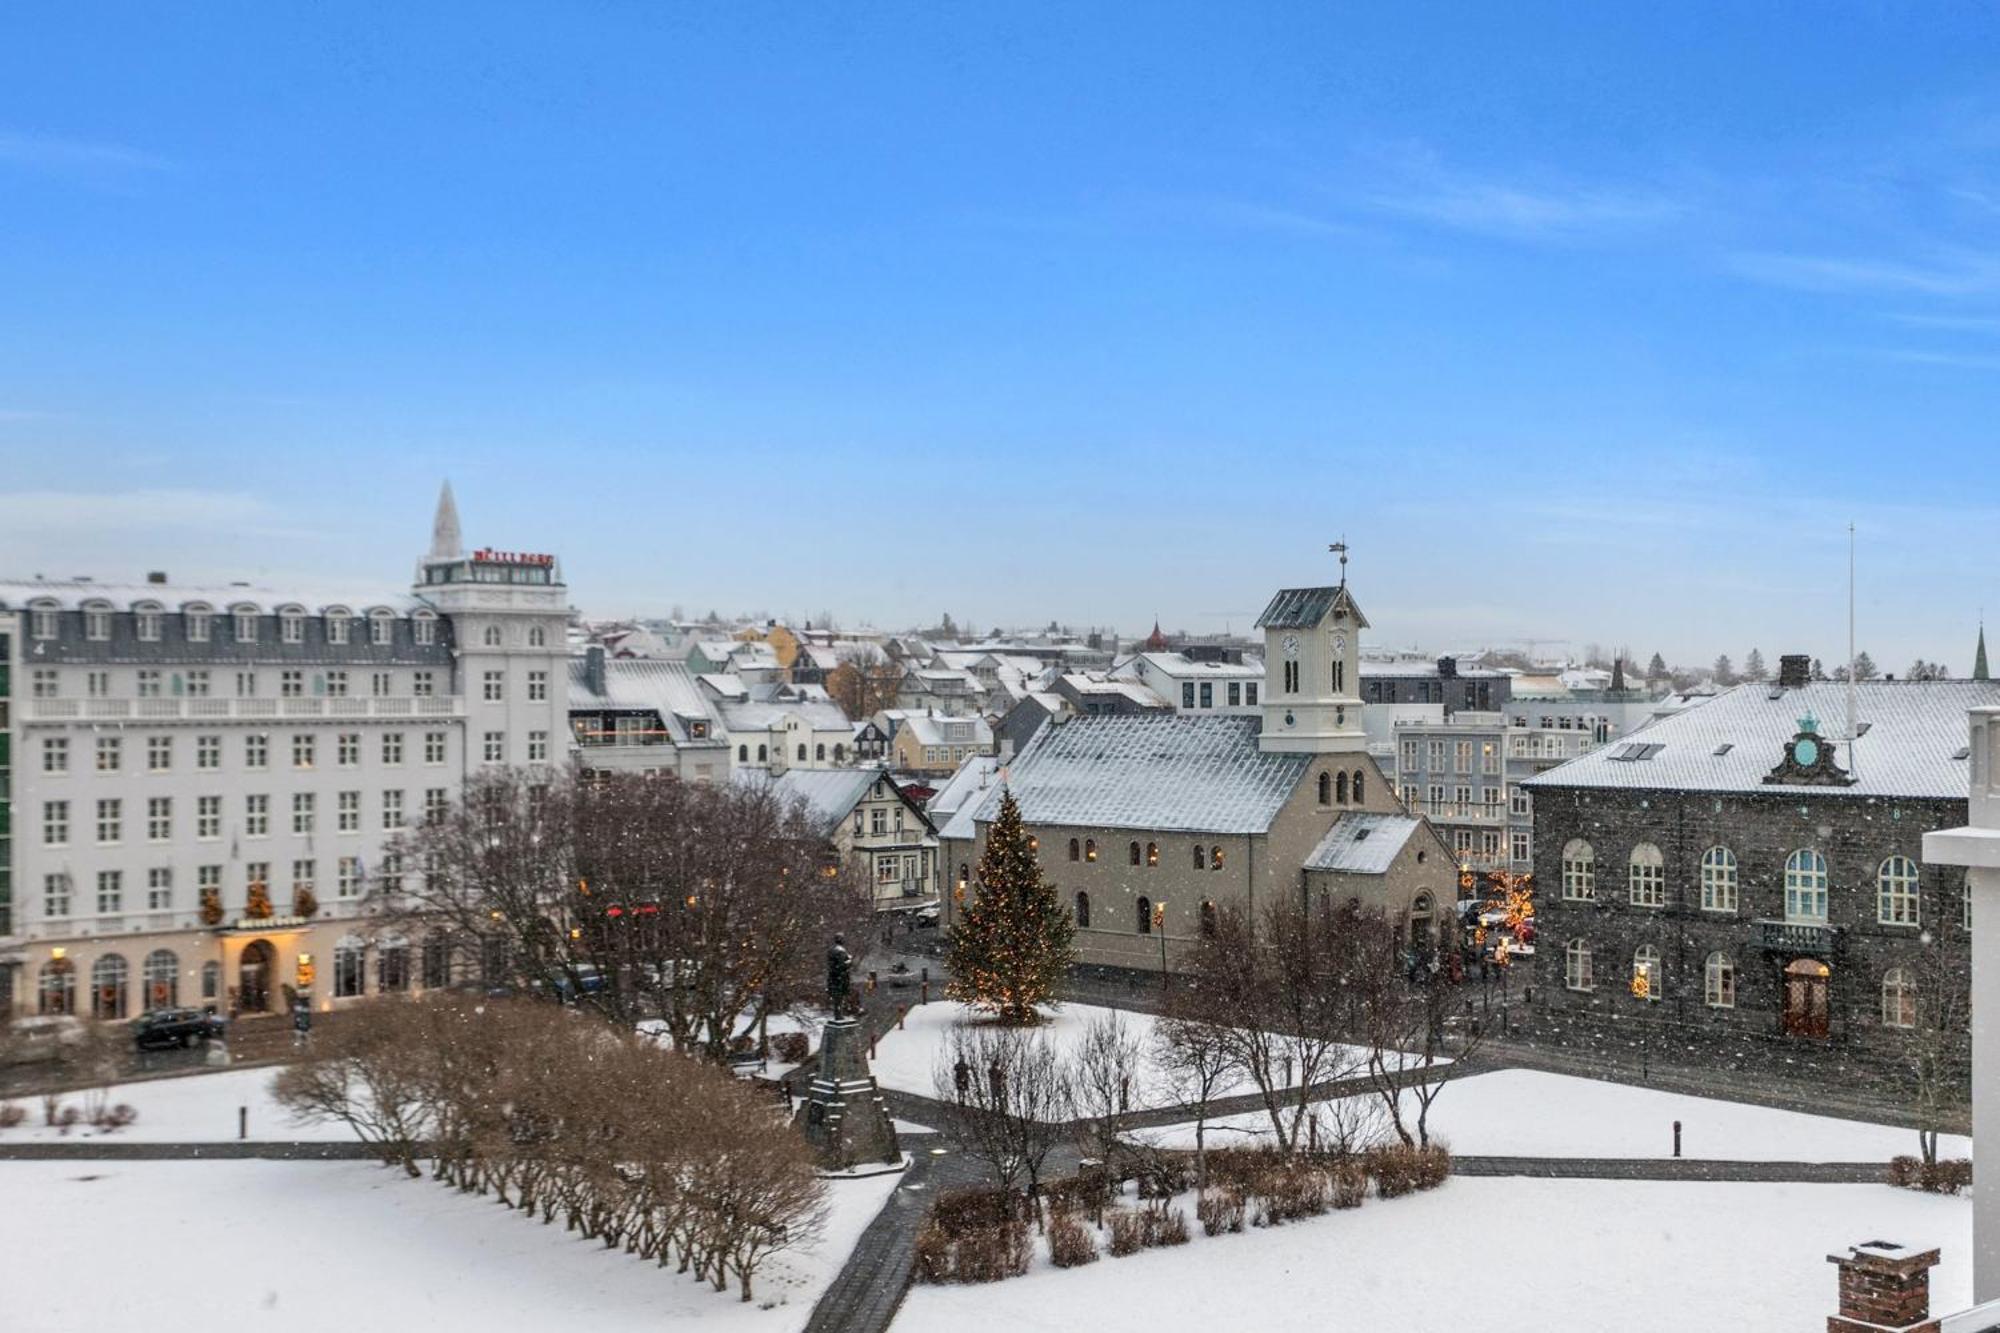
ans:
x=843 y=1116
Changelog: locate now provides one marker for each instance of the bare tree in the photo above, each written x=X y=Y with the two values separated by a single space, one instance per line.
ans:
x=1406 y=1002
x=1008 y=1098
x=865 y=682
x=1105 y=1074
x=1196 y=1059
x=1937 y=1047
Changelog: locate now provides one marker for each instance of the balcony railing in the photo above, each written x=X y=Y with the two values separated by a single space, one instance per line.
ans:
x=200 y=709
x=1808 y=937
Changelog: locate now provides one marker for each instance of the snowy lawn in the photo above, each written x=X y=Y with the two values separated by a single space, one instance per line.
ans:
x=352 y=1245
x=1522 y=1113
x=193 y=1108
x=905 y=1059
x=1604 y=1255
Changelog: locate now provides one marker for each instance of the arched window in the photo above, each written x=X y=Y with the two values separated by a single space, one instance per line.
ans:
x=1718 y=880
x=839 y=753
x=57 y=991
x=1805 y=886
x=1340 y=789
x=819 y=754
x=163 y=979
x=491 y=636
x=1579 y=870
x=1090 y=849
x=1576 y=965
x=1152 y=853
x=1133 y=853
x=109 y=978
x=1899 y=999
x=1208 y=918
x=538 y=637
x=1083 y=910
x=349 y=974
x=436 y=961
x=1896 y=902
x=1075 y=850
x=1215 y=858
x=1200 y=857
x=742 y=754
x=1357 y=787
x=392 y=966
x=1144 y=915
x=1718 y=982
x=1647 y=876
x=1646 y=980
x=1326 y=789
x=802 y=752
x=381 y=628
x=211 y=981
x=763 y=753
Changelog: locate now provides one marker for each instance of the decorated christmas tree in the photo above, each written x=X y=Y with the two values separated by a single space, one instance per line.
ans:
x=1011 y=944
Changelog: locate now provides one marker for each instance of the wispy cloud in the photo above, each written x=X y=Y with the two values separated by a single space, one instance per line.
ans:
x=1281 y=221
x=42 y=152
x=1954 y=275
x=1951 y=323
x=1926 y=357
x=1501 y=208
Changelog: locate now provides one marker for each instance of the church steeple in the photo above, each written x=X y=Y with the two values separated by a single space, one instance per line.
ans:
x=1156 y=642
x=1312 y=667
x=445 y=539
x=1979 y=671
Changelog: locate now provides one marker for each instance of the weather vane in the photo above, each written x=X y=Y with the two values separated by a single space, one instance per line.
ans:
x=1339 y=548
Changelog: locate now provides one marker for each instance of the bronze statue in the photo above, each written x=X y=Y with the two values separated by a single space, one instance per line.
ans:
x=839 y=969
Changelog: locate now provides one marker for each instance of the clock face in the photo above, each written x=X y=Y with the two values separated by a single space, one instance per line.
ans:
x=1339 y=643
x=1805 y=753
x=1290 y=643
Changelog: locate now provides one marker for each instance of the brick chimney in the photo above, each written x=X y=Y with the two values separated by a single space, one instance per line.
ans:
x=1795 y=671
x=1447 y=668
x=1884 y=1288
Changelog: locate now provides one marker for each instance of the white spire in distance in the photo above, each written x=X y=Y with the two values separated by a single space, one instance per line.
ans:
x=445 y=540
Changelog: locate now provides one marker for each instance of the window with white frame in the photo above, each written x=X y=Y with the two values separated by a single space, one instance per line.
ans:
x=44 y=622
x=44 y=683
x=159 y=818
x=246 y=684
x=437 y=803
x=256 y=815
x=381 y=629
x=424 y=628
x=97 y=623
x=349 y=970
x=538 y=747
x=1718 y=982
x=303 y=811
x=392 y=747
x=1647 y=876
x=538 y=686
x=291 y=684
x=537 y=637
x=491 y=636
x=493 y=687
x=494 y=748
x=338 y=625
x=110 y=820
x=256 y=751
x=305 y=749
x=147 y=679
x=347 y=749
x=291 y=627
x=110 y=754
x=55 y=754
x=1896 y=896
x=347 y=878
x=434 y=747
x=159 y=754
x=97 y=684
x=1579 y=870
x=208 y=752
x=347 y=812
x=392 y=810
x=55 y=823
x=146 y=624
x=198 y=684
x=198 y=623
x=110 y=891
x=382 y=684
x=208 y=816
x=1718 y=880
x=336 y=684
x=55 y=895
x=1522 y=846
x=1576 y=965
x=1646 y=973
x=1805 y=886
x=422 y=684
x=246 y=625
x=160 y=889
x=1899 y=998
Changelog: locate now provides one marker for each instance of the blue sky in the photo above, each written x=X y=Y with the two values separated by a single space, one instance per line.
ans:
x=1595 y=323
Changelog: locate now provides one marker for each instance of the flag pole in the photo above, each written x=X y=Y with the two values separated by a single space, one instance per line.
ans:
x=1851 y=724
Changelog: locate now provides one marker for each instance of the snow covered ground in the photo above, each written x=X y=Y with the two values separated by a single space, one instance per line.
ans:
x=1522 y=1113
x=193 y=1108
x=905 y=1060
x=351 y=1245
x=1604 y=1255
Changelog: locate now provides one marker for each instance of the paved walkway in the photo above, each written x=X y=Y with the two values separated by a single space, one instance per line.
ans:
x=864 y=1295
x=127 y=1150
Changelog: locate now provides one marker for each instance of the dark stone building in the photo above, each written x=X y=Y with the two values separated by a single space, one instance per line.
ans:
x=1736 y=883
x=1458 y=688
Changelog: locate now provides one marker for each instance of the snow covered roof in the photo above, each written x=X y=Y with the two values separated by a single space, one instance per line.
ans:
x=1912 y=741
x=758 y=715
x=1305 y=608
x=666 y=688
x=1178 y=666
x=74 y=594
x=1401 y=668
x=1168 y=771
x=974 y=776
x=829 y=794
x=930 y=729
x=1363 y=843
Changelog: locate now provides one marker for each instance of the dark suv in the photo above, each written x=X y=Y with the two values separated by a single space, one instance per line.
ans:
x=157 y=1028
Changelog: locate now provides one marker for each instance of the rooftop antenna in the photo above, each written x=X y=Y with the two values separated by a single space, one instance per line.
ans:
x=1339 y=548
x=1850 y=648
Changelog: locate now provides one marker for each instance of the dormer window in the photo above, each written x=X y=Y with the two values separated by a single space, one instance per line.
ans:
x=246 y=624
x=44 y=622
x=97 y=623
x=146 y=621
x=424 y=629
x=291 y=626
x=338 y=622
x=197 y=622
x=381 y=628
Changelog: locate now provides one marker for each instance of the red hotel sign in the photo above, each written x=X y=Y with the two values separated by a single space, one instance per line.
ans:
x=486 y=555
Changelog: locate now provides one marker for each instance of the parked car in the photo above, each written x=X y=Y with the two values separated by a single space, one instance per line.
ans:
x=159 y=1028
x=39 y=1038
x=925 y=917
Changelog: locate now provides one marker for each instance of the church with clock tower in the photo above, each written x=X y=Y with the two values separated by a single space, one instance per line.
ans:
x=1151 y=824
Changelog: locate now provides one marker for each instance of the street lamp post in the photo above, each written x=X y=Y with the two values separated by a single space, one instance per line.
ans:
x=1160 y=929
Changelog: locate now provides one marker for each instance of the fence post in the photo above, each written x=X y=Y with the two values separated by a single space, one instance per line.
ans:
x=1677 y=1138
x=242 y=1122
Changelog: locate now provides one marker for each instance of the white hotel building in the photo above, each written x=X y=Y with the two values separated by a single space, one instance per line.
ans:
x=196 y=783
